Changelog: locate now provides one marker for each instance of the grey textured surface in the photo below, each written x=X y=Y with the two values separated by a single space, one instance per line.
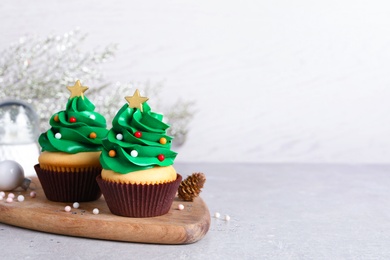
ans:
x=278 y=211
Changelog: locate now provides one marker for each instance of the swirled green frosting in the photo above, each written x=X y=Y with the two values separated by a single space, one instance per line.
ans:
x=77 y=129
x=123 y=140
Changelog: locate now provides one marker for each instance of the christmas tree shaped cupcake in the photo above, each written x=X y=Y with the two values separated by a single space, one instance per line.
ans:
x=138 y=179
x=71 y=148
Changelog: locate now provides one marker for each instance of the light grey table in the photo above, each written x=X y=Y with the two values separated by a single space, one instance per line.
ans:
x=278 y=211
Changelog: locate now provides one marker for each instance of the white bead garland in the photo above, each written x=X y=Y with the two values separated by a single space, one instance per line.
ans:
x=134 y=153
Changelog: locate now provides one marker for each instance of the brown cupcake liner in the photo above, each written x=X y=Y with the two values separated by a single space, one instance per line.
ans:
x=69 y=186
x=139 y=200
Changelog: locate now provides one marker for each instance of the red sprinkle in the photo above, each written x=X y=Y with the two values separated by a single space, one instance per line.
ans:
x=138 y=134
x=161 y=157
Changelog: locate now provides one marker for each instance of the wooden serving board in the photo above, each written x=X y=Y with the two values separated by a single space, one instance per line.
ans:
x=176 y=227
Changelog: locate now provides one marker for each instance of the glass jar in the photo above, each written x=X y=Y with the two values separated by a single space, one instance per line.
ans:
x=19 y=130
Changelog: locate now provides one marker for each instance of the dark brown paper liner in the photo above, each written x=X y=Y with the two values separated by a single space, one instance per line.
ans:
x=138 y=200
x=69 y=186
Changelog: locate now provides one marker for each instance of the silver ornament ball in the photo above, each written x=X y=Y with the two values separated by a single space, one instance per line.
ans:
x=12 y=176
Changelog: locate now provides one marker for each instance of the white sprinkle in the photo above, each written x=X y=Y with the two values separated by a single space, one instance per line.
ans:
x=119 y=137
x=11 y=195
x=93 y=117
x=20 y=198
x=134 y=153
x=95 y=211
x=2 y=194
x=217 y=215
x=58 y=136
x=33 y=194
x=76 y=205
x=180 y=206
x=67 y=208
x=9 y=200
x=227 y=217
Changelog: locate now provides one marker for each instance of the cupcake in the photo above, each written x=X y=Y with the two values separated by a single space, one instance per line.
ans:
x=71 y=148
x=138 y=179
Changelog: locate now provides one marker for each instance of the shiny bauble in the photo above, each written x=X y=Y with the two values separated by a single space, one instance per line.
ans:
x=11 y=175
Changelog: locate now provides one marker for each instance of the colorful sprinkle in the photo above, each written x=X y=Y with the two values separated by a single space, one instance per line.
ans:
x=56 y=118
x=161 y=157
x=92 y=135
x=163 y=140
x=112 y=153
x=138 y=134
x=72 y=119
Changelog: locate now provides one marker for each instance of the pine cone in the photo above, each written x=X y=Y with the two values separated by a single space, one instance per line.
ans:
x=191 y=186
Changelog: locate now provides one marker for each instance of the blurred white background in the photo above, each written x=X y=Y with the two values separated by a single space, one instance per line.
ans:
x=273 y=81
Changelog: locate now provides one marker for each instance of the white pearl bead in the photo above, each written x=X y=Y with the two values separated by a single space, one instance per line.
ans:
x=20 y=198
x=76 y=205
x=11 y=195
x=2 y=193
x=1 y=197
x=227 y=217
x=33 y=194
x=134 y=153
x=9 y=200
x=67 y=208
x=93 y=117
x=217 y=215
x=95 y=211
x=58 y=136
x=180 y=206
x=11 y=175
x=119 y=137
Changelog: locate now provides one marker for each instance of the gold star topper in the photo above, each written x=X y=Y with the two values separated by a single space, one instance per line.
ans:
x=136 y=101
x=77 y=90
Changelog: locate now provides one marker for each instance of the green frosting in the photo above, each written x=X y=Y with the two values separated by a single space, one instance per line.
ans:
x=70 y=129
x=148 y=150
